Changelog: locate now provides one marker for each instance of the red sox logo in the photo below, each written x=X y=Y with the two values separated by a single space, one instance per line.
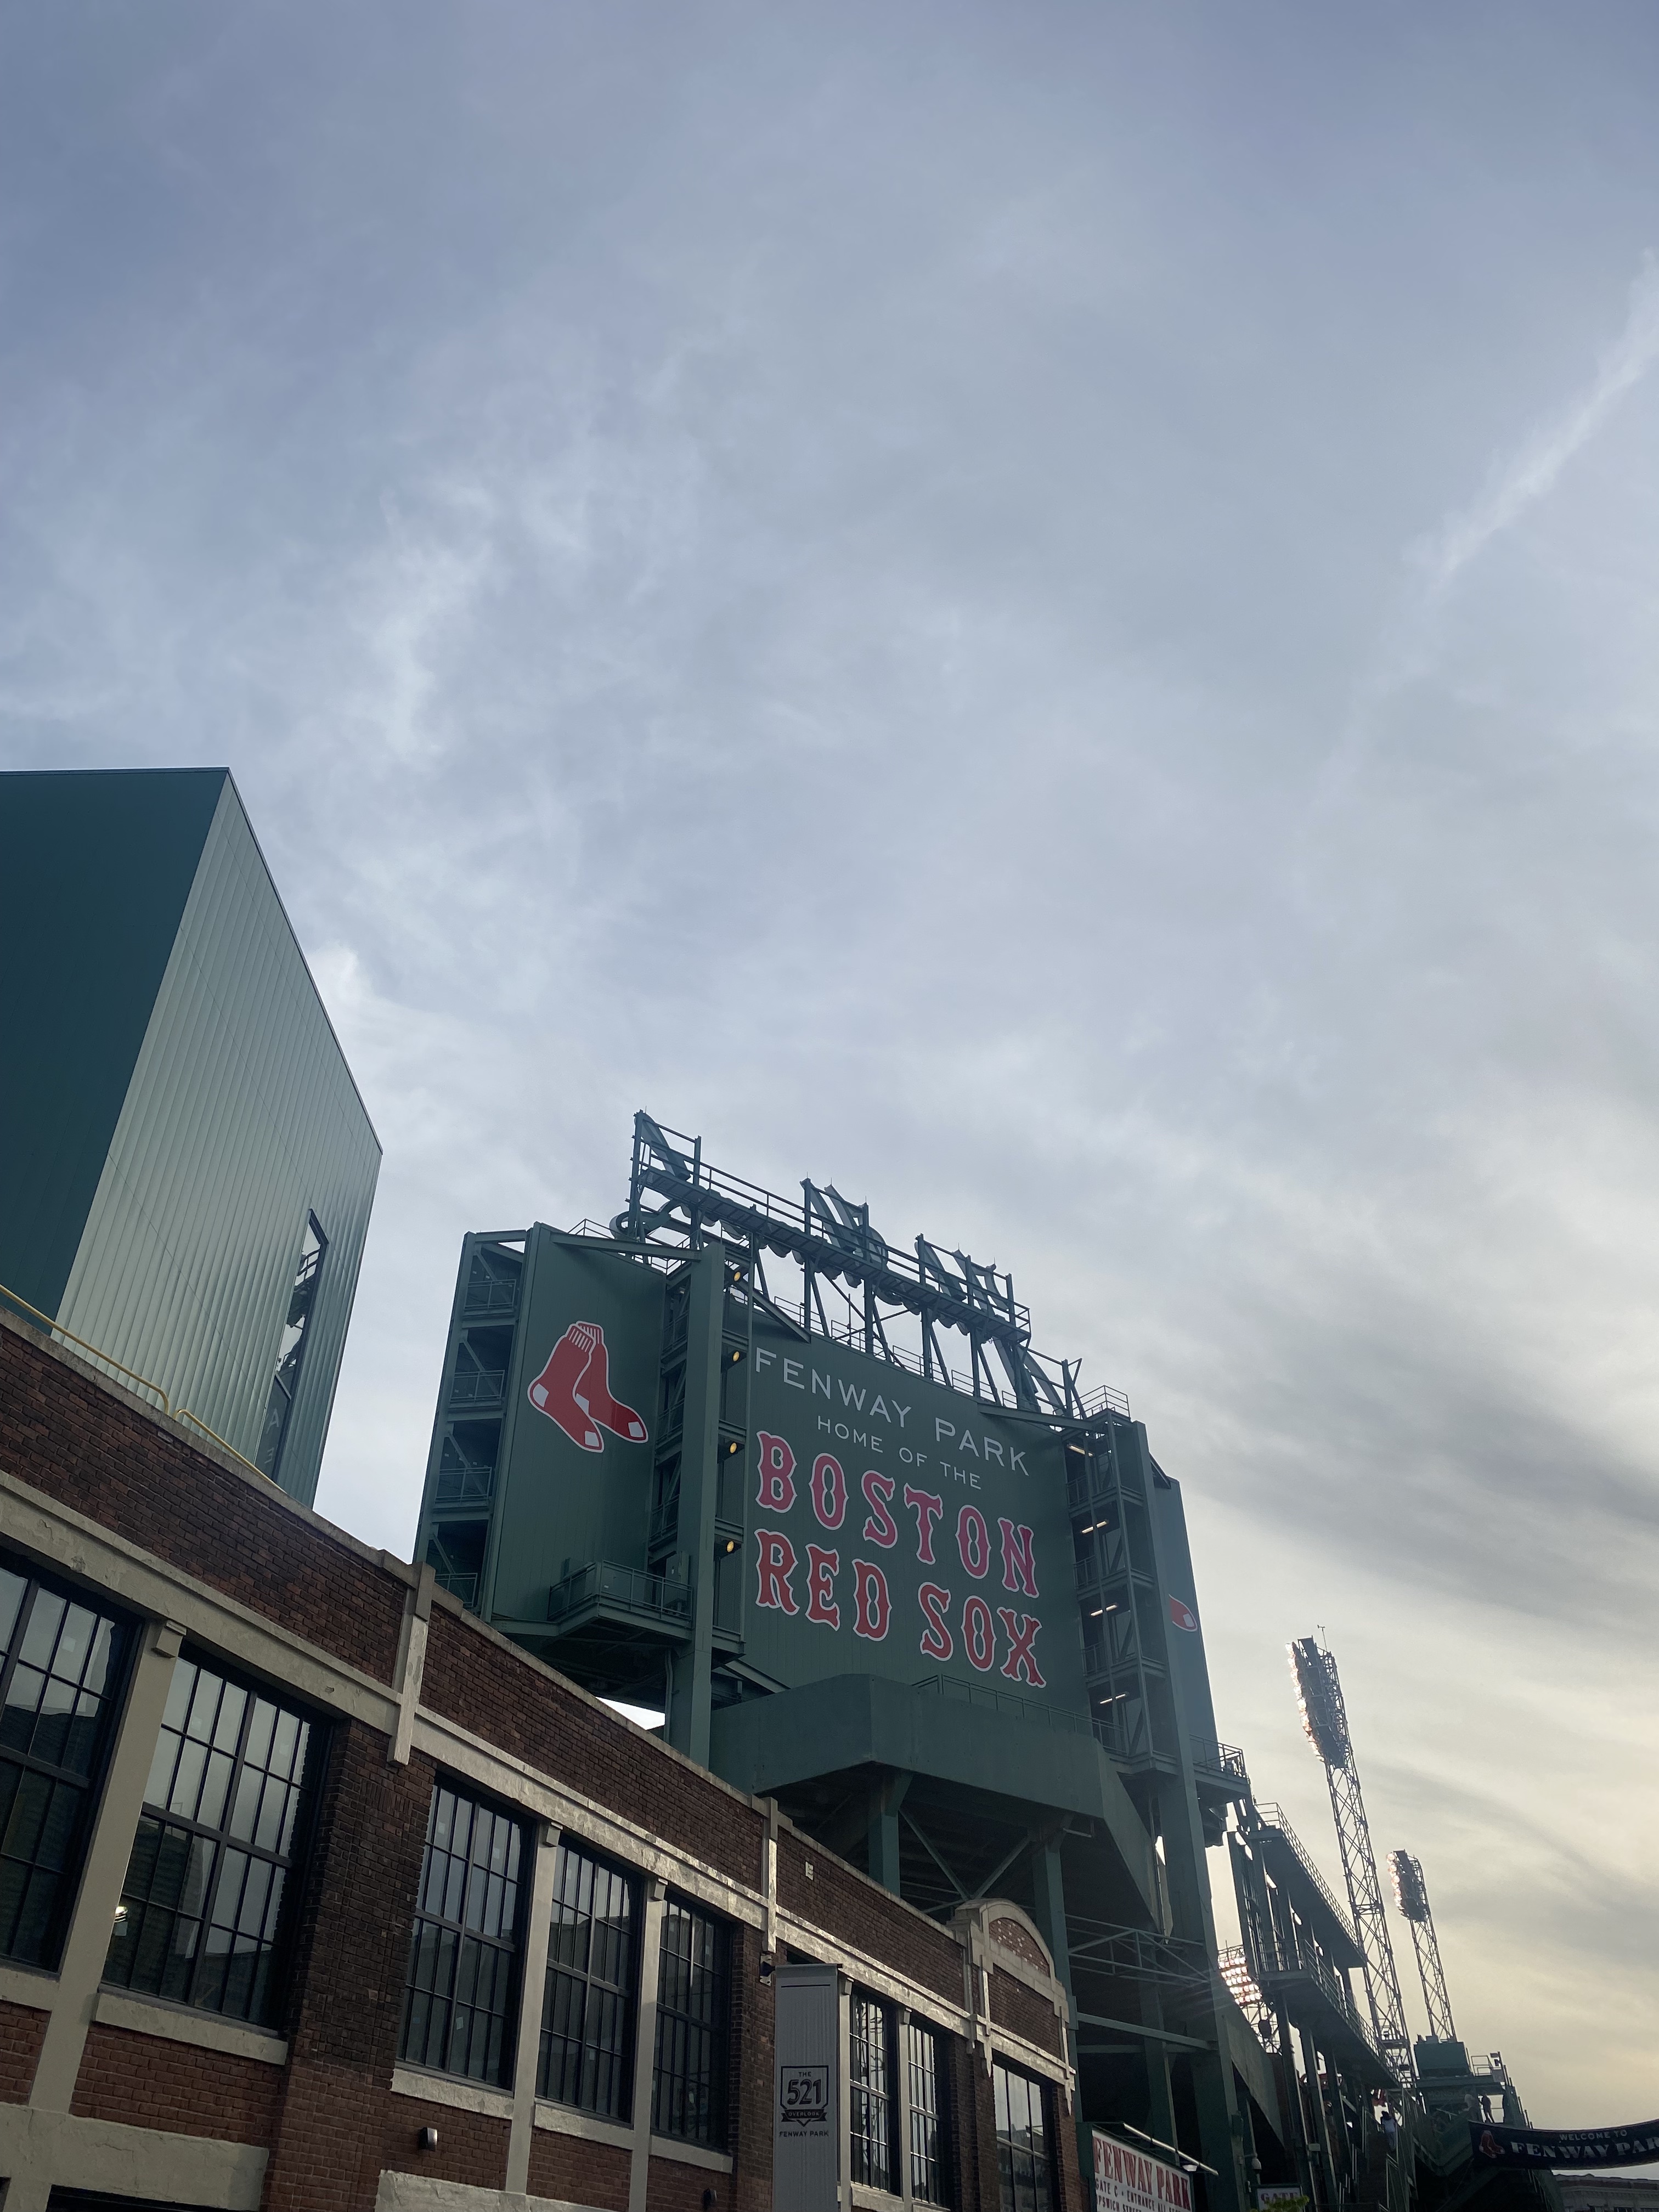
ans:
x=574 y=1390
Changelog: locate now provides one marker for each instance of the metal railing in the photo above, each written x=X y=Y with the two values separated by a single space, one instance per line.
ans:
x=1272 y=1816
x=464 y=1587
x=131 y=1375
x=477 y=1386
x=1221 y=1759
x=466 y=1485
x=602 y=1581
x=491 y=1295
x=1053 y=1717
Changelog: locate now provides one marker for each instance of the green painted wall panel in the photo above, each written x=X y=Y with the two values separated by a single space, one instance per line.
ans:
x=239 y=1118
x=94 y=873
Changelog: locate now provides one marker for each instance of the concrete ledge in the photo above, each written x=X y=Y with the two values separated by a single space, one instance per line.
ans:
x=562 y=2120
x=685 y=2154
x=449 y=2089
x=28 y=1985
x=40 y=2149
x=181 y=2024
x=416 y=2192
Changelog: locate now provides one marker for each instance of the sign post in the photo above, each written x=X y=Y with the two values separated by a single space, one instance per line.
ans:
x=806 y=2118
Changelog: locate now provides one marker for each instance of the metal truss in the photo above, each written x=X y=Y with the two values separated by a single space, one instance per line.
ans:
x=1412 y=1895
x=1135 y=1954
x=677 y=1200
x=1325 y=1717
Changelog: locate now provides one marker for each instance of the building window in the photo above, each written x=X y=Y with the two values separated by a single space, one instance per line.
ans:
x=922 y=2091
x=301 y=1301
x=458 y=2004
x=1023 y=2148
x=870 y=2056
x=201 y=1912
x=587 y=2010
x=688 y=2084
x=60 y=1680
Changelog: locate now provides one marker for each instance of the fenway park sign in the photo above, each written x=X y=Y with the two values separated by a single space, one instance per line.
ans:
x=1128 y=2180
x=902 y=1529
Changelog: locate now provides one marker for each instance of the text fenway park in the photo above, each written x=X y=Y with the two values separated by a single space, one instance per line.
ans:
x=868 y=1512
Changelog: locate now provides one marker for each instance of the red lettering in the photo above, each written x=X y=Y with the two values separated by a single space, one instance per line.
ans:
x=1018 y=1560
x=927 y=1508
x=936 y=1640
x=1020 y=1665
x=972 y=1541
x=776 y=1493
x=822 y=1568
x=979 y=1634
x=828 y=1491
x=880 y=1528
x=871 y=1606
x=774 y=1562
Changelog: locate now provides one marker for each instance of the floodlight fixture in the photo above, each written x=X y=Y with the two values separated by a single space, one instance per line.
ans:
x=1409 y=1893
x=1320 y=1701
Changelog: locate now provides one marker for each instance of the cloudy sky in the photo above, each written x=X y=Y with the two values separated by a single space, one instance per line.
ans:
x=1050 y=612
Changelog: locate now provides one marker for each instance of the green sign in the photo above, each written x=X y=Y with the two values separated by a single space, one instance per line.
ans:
x=899 y=1527
x=576 y=1480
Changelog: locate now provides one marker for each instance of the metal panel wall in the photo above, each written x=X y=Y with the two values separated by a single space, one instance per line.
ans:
x=241 y=1117
x=96 y=867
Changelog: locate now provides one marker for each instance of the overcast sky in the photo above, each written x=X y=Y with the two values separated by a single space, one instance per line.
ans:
x=1050 y=612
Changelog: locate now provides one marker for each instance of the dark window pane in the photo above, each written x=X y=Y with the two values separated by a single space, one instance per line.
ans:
x=459 y=1979
x=689 y=2071
x=199 y=1919
x=588 y=2000
x=58 y=1655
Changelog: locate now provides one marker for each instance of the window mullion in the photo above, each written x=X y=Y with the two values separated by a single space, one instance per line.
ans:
x=902 y=2121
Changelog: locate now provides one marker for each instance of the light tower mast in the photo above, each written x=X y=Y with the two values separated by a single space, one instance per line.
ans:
x=1412 y=1895
x=1325 y=1718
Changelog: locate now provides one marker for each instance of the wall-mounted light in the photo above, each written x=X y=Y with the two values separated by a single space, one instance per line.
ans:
x=428 y=2139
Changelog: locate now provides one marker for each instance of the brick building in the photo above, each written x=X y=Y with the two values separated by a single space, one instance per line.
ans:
x=316 y=1892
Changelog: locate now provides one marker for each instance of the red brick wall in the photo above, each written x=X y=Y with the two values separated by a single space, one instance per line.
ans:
x=673 y=2185
x=579 y=2173
x=21 y=2030
x=351 y=1955
x=150 y=2081
x=748 y=2188
x=472 y=2146
x=861 y=1914
x=1022 y=2012
x=98 y=1452
x=473 y=1680
x=973 y=2130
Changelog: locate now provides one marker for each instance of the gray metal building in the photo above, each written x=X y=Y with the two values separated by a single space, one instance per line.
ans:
x=186 y=1167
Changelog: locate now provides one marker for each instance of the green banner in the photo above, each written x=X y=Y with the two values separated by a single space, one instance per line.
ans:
x=899 y=1527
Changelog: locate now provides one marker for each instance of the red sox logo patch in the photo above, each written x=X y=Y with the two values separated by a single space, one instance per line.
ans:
x=574 y=1390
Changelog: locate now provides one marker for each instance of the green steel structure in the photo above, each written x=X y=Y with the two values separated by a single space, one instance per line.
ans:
x=818 y=1499
x=188 y=1167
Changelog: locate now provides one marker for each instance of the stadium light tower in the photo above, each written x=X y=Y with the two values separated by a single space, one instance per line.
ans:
x=1319 y=1692
x=1412 y=1895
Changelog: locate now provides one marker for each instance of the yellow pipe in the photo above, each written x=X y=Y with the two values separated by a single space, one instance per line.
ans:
x=143 y=1382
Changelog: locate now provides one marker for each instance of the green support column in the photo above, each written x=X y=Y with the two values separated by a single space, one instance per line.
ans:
x=1188 y=1878
x=690 y=1704
x=884 y=1802
x=1160 y=2098
x=1049 y=1883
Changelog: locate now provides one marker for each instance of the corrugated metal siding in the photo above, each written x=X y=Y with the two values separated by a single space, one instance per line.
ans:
x=240 y=1118
x=95 y=868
